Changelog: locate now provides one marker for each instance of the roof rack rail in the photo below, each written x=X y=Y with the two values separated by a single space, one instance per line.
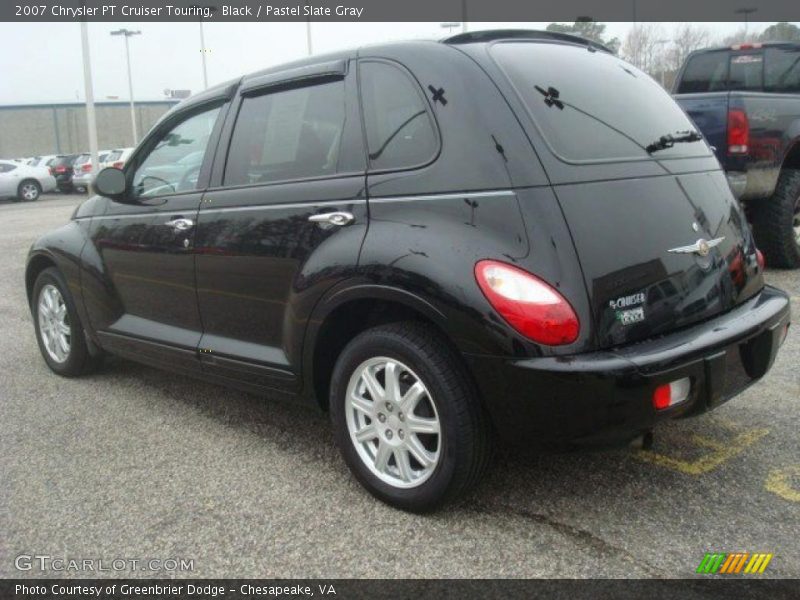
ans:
x=521 y=34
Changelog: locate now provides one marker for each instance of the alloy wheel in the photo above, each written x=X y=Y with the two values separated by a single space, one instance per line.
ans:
x=54 y=327
x=30 y=191
x=393 y=422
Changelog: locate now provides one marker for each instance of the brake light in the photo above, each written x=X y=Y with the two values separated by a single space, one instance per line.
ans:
x=738 y=131
x=61 y=169
x=86 y=167
x=746 y=46
x=762 y=262
x=528 y=304
x=118 y=165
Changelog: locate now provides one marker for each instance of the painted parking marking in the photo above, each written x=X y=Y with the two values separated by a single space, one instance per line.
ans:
x=719 y=452
x=779 y=482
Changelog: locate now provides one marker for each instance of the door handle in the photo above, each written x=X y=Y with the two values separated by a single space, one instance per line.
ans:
x=333 y=218
x=180 y=224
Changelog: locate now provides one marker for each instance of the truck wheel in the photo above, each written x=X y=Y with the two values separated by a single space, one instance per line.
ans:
x=776 y=222
x=407 y=418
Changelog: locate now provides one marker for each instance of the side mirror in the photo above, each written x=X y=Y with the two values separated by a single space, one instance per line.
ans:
x=111 y=182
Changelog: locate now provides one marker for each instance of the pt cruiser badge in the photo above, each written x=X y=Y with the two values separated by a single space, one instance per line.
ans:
x=701 y=247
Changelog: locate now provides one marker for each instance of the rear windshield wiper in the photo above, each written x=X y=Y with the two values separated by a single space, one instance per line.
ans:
x=669 y=140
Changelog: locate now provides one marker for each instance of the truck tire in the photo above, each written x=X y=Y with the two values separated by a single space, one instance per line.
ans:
x=776 y=222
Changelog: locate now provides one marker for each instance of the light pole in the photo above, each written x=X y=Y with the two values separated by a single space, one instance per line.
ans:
x=203 y=54
x=450 y=25
x=746 y=12
x=128 y=33
x=309 y=47
x=91 y=122
x=663 y=64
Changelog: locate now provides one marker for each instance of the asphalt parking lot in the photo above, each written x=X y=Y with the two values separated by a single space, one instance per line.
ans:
x=136 y=463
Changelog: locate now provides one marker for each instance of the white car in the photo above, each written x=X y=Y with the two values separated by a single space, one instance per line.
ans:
x=117 y=158
x=83 y=174
x=24 y=182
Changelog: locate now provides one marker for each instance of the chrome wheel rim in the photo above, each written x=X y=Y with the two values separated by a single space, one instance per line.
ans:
x=29 y=191
x=393 y=422
x=54 y=327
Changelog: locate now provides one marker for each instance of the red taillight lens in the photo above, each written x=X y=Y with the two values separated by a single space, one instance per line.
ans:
x=738 y=132
x=530 y=305
x=671 y=393
x=762 y=262
x=61 y=169
x=86 y=167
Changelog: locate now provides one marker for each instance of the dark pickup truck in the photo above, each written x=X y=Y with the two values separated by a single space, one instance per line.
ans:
x=745 y=100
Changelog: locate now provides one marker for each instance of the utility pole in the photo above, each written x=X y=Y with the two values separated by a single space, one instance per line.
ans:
x=746 y=12
x=203 y=54
x=128 y=33
x=91 y=121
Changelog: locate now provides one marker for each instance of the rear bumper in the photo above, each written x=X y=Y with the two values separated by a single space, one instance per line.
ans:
x=605 y=397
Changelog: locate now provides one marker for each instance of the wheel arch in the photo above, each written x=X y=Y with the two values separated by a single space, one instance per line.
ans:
x=36 y=264
x=345 y=313
x=791 y=159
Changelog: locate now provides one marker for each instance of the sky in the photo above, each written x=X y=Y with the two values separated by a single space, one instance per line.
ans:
x=43 y=61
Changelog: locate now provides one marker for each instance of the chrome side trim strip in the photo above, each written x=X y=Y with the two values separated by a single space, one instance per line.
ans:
x=487 y=194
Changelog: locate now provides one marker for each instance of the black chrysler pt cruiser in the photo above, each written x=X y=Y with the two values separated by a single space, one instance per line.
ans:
x=508 y=233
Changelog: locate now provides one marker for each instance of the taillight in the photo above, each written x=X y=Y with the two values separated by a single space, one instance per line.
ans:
x=86 y=167
x=762 y=262
x=118 y=164
x=738 y=131
x=672 y=393
x=527 y=303
x=61 y=169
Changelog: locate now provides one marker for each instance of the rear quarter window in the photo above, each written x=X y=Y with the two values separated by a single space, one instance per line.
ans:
x=590 y=106
x=400 y=131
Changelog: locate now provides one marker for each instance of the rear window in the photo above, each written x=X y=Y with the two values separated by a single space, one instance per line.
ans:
x=782 y=70
x=590 y=106
x=707 y=72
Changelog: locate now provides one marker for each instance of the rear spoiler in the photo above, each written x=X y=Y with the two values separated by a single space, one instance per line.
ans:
x=491 y=35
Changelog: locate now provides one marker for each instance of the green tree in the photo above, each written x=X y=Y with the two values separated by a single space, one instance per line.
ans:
x=589 y=29
x=781 y=32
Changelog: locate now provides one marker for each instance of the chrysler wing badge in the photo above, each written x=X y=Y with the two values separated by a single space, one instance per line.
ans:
x=701 y=247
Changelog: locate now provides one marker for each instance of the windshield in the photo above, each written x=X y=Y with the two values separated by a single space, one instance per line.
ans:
x=590 y=106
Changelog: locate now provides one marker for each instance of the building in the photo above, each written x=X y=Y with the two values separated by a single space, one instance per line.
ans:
x=37 y=129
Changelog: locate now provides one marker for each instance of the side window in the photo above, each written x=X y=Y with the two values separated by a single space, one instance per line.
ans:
x=291 y=134
x=400 y=130
x=6 y=167
x=782 y=70
x=173 y=165
x=706 y=72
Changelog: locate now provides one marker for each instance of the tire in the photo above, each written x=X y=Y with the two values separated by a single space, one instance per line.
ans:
x=776 y=222
x=456 y=457
x=29 y=190
x=76 y=360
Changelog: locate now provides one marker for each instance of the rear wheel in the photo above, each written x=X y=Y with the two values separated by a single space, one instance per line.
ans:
x=29 y=190
x=59 y=331
x=407 y=418
x=776 y=222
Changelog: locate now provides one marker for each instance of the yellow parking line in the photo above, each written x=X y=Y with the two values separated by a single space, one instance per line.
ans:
x=779 y=483
x=721 y=453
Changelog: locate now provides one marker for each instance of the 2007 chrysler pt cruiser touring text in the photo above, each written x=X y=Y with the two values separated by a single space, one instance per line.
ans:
x=509 y=233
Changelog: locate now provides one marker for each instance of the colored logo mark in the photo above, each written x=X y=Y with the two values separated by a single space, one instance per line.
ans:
x=734 y=563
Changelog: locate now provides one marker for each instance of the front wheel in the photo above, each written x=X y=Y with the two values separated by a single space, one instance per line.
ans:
x=59 y=331
x=407 y=418
x=29 y=190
